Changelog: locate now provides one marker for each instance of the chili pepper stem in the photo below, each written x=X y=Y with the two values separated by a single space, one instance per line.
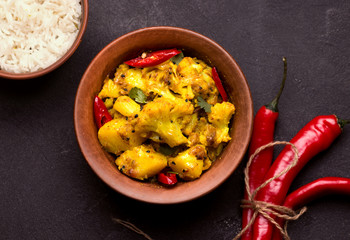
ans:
x=343 y=122
x=273 y=105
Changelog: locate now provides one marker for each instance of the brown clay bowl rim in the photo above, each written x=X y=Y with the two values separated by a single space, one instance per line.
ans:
x=59 y=62
x=89 y=152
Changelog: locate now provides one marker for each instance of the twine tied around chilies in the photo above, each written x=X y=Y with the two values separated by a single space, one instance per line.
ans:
x=265 y=208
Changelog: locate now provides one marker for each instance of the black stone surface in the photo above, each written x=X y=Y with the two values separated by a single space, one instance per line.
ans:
x=47 y=190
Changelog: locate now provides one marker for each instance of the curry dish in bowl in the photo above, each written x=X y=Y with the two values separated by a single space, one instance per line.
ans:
x=169 y=113
x=164 y=120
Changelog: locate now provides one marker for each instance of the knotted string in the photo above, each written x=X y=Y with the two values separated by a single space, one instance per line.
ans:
x=265 y=208
x=132 y=227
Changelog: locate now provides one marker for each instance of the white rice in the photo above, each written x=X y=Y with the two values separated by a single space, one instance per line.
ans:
x=36 y=33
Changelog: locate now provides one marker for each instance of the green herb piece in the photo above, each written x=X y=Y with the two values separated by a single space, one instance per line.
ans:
x=178 y=58
x=166 y=150
x=137 y=94
x=203 y=104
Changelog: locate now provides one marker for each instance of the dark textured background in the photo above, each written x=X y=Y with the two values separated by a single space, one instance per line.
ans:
x=47 y=190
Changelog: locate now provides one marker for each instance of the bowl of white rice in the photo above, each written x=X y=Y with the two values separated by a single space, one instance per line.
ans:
x=38 y=36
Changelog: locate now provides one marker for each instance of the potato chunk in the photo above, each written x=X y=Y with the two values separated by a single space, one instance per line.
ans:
x=118 y=135
x=109 y=89
x=189 y=164
x=195 y=79
x=126 y=106
x=141 y=162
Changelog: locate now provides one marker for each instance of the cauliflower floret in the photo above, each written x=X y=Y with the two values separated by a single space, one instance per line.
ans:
x=195 y=80
x=189 y=123
x=191 y=66
x=133 y=78
x=163 y=116
x=220 y=116
x=141 y=162
x=118 y=135
x=157 y=79
x=109 y=103
x=125 y=79
x=216 y=131
x=189 y=164
x=207 y=133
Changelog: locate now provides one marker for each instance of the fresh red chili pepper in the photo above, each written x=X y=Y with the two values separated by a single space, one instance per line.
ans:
x=102 y=115
x=315 y=137
x=218 y=84
x=167 y=178
x=153 y=58
x=263 y=131
x=312 y=191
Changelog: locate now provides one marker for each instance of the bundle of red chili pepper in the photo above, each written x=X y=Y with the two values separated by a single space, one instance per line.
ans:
x=315 y=137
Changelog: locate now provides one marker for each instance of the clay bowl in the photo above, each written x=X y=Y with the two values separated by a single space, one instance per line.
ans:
x=130 y=46
x=63 y=59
